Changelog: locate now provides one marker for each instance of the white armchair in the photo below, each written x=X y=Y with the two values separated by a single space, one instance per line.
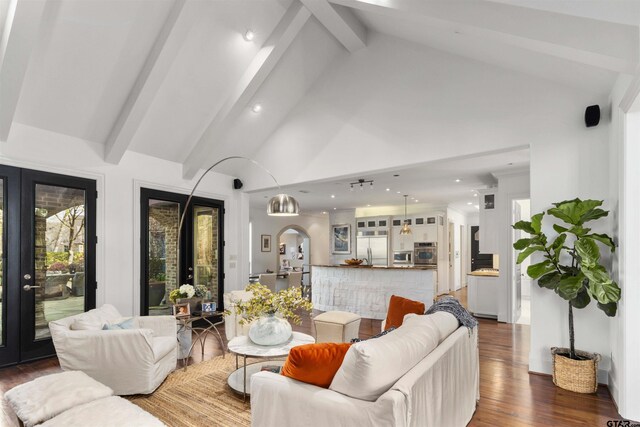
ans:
x=130 y=361
x=232 y=326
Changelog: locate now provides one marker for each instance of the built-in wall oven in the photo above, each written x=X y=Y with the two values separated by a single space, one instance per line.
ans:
x=402 y=257
x=425 y=253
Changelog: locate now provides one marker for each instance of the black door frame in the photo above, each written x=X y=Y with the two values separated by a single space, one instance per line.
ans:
x=31 y=349
x=10 y=349
x=186 y=256
x=18 y=305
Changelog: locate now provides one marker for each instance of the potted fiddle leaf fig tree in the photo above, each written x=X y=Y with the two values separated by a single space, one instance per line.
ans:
x=573 y=270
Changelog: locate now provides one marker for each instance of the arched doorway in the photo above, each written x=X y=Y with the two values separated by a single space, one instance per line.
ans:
x=294 y=250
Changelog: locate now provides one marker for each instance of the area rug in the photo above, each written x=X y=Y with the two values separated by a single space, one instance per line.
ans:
x=198 y=396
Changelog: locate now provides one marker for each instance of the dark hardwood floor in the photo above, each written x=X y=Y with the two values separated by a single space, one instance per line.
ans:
x=509 y=395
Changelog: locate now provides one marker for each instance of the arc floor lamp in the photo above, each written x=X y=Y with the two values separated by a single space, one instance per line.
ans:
x=279 y=205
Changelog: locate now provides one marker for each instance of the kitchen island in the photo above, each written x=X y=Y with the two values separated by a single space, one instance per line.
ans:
x=366 y=290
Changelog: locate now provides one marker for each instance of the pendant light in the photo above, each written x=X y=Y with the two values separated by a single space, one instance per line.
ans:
x=405 y=227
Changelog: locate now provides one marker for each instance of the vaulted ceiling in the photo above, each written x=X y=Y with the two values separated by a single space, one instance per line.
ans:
x=176 y=79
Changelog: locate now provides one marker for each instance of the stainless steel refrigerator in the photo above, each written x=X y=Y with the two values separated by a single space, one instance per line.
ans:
x=376 y=246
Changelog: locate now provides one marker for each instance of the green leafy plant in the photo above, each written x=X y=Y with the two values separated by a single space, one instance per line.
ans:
x=571 y=266
x=264 y=302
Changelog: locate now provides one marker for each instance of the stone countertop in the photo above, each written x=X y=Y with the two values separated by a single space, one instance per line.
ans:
x=484 y=273
x=377 y=267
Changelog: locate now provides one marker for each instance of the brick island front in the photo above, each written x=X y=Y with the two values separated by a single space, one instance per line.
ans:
x=366 y=290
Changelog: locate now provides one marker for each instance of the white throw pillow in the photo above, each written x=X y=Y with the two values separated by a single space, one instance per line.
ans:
x=86 y=325
x=445 y=322
x=371 y=367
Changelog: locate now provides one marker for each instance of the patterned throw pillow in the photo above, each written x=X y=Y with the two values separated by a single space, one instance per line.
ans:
x=381 y=334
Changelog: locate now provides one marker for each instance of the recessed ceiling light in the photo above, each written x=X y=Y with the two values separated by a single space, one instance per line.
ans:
x=416 y=200
x=388 y=189
x=398 y=192
x=335 y=209
x=333 y=196
x=475 y=194
x=256 y=108
x=368 y=206
x=324 y=212
x=249 y=35
x=458 y=180
x=469 y=203
x=477 y=206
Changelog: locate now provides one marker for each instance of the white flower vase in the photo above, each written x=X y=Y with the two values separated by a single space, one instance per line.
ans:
x=270 y=330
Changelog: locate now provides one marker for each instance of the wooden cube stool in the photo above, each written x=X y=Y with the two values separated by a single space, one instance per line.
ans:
x=336 y=326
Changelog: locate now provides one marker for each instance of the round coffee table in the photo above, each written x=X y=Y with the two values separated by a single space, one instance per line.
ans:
x=240 y=379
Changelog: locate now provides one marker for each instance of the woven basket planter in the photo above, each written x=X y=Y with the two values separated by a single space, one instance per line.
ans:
x=580 y=376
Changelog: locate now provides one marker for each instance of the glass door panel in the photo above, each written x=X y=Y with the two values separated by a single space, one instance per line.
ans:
x=205 y=250
x=59 y=254
x=198 y=254
x=57 y=277
x=162 y=253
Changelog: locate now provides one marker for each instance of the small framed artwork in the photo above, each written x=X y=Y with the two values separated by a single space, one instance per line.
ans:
x=265 y=242
x=209 y=307
x=341 y=239
x=182 y=310
x=283 y=248
x=489 y=201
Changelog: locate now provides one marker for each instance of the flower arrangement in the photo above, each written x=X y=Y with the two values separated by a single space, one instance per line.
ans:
x=188 y=291
x=264 y=302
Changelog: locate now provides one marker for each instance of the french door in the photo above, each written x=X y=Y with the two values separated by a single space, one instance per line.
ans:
x=47 y=239
x=201 y=248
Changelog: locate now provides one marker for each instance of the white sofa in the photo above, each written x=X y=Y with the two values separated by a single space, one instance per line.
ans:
x=441 y=390
x=129 y=361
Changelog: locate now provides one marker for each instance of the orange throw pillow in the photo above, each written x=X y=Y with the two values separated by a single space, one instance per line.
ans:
x=315 y=364
x=398 y=307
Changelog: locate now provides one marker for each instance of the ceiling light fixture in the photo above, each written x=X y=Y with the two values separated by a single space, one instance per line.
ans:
x=360 y=182
x=256 y=108
x=469 y=203
x=388 y=189
x=458 y=180
x=405 y=230
x=333 y=196
x=249 y=35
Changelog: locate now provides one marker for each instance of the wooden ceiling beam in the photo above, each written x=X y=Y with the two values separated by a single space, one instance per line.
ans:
x=341 y=22
x=155 y=69
x=261 y=66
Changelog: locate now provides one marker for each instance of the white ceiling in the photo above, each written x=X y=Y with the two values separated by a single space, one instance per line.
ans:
x=433 y=184
x=182 y=79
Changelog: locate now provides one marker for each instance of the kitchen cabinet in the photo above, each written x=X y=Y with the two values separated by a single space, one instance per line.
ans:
x=482 y=295
x=425 y=233
x=489 y=221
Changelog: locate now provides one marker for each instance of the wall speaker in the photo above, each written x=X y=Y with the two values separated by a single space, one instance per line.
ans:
x=237 y=184
x=592 y=115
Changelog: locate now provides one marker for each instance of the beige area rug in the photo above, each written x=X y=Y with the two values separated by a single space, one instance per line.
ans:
x=198 y=396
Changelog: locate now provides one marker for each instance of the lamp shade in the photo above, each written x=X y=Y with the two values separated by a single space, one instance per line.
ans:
x=283 y=205
x=405 y=229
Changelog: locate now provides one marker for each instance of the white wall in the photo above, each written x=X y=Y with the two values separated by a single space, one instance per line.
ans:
x=316 y=227
x=624 y=376
x=511 y=186
x=118 y=207
x=564 y=165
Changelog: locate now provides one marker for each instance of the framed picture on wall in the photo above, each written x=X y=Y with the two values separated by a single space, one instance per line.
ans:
x=283 y=248
x=341 y=239
x=265 y=242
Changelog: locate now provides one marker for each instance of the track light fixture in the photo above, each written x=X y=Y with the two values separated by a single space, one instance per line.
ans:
x=360 y=183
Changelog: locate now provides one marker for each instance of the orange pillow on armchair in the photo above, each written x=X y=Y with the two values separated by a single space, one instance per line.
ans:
x=315 y=364
x=398 y=308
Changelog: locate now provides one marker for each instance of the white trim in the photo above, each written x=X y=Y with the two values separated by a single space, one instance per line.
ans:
x=511 y=197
